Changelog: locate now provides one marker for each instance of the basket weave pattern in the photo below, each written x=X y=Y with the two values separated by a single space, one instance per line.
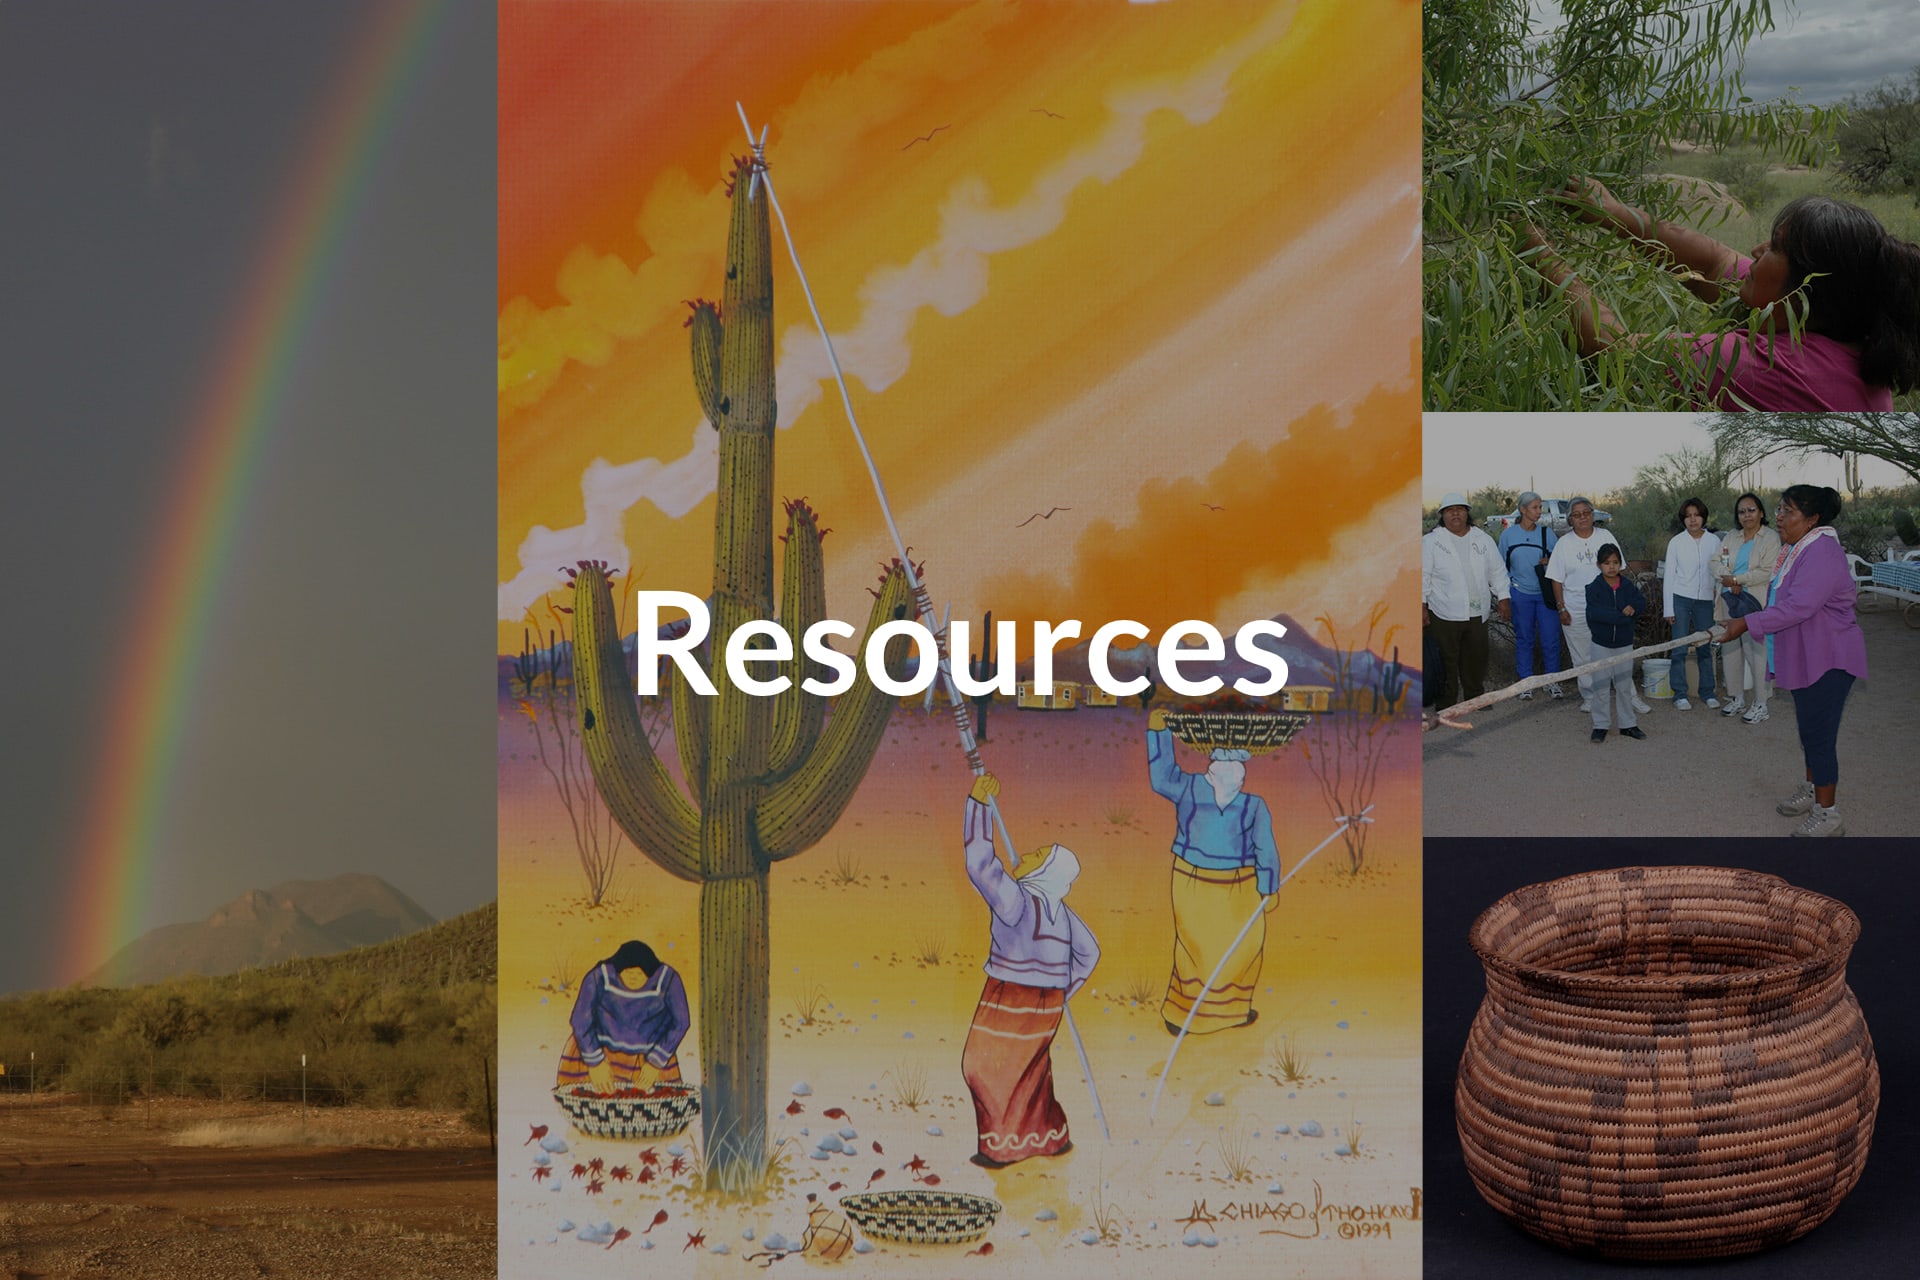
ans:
x=922 y=1217
x=664 y=1112
x=1668 y=1062
x=1252 y=731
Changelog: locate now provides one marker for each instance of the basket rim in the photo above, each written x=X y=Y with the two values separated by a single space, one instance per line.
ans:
x=862 y=1201
x=1832 y=956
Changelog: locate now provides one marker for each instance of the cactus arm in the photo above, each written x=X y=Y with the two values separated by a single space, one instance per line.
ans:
x=800 y=810
x=635 y=785
x=798 y=715
x=707 y=339
x=689 y=729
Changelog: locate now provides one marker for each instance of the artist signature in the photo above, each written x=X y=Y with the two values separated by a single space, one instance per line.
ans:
x=1308 y=1221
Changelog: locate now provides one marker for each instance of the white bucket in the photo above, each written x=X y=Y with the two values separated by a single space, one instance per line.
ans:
x=1653 y=677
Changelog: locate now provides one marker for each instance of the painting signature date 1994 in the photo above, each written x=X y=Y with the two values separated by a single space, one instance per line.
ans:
x=1304 y=1221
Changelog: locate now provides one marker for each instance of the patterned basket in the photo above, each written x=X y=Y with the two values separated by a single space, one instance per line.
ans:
x=1256 y=731
x=918 y=1216
x=1668 y=1063
x=664 y=1111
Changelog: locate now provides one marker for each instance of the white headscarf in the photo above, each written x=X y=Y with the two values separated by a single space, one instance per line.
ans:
x=1227 y=773
x=1050 y=883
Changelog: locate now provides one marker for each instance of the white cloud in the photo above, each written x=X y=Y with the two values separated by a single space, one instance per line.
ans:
x=949 y=276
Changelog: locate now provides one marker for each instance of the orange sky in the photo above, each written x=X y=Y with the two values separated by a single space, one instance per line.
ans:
x=1159 y=257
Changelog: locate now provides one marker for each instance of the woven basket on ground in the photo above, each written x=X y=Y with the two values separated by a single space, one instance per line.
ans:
x=922 y=1216
x=1668 y=1062
x=662 y=1111
x=1254 y=731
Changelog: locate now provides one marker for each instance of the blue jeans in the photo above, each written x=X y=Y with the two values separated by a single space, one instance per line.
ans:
x=1534 y=617
x=1689 y=616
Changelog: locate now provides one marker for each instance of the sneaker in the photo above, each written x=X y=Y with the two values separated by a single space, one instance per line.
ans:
x=1822 y=821
x=1799 y=802
x=1679 y=704
x=1555 y=692
x=1755 y=713
x=1599 y=735
x=1635 y=732
x=1733 y=708
x=1713 y=704
x=1526 y=695
x=1640 y=706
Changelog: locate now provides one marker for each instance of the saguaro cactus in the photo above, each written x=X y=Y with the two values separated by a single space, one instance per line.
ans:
x=769 y=775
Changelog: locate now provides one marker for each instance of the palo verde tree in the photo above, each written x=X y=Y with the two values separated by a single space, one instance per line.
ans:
x=1518 y=101
x=769 y=775
x=1746 y=438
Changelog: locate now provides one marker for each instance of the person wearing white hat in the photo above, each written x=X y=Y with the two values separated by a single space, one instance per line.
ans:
x=1461 y=582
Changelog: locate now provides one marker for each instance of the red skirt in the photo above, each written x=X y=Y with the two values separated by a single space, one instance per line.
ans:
x=1009 y=1070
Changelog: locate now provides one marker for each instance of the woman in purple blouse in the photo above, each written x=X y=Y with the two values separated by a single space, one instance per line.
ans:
x=1818 y=647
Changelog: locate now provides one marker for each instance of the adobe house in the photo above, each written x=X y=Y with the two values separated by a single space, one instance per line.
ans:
x=1065 y=696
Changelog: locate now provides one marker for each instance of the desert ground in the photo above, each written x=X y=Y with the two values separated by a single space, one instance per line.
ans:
x=212 y=1190
x=1527 y=768
x=877 y=941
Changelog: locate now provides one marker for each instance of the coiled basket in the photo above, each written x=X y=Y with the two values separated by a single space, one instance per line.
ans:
x=1668 y=1062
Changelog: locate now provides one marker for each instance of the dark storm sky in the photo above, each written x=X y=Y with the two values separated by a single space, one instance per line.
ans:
x=346 y=721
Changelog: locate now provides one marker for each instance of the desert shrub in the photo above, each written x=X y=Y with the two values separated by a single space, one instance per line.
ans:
x=1519 y=99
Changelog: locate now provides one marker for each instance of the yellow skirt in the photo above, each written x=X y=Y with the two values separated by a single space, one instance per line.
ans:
x=1209 y=908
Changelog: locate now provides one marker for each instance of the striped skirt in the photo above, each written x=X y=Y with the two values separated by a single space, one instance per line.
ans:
x=1209 y=907
x=625 y=1067
x=1009 y=1071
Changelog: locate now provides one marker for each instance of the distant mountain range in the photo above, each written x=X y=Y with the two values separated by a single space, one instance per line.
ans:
x=294 y=920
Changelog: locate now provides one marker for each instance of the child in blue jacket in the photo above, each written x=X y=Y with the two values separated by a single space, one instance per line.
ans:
x=1613 y=606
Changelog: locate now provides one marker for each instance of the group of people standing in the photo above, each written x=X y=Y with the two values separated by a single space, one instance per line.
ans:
x=1783 y=603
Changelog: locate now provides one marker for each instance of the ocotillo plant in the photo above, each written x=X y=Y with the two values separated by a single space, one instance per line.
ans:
x=980 y=667
x=770 y=775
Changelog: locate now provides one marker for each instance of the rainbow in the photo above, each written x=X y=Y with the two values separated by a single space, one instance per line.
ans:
x=227 y=436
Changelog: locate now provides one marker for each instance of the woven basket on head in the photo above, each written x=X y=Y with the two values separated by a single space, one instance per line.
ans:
x=921 y=1216
x=1668 y=1063
x=1254 y=731
x=662 y=1111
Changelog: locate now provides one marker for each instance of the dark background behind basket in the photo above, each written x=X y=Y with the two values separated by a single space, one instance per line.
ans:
x=1871 y=1235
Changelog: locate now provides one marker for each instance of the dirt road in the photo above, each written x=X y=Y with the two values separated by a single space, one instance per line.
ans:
x=88 y=1193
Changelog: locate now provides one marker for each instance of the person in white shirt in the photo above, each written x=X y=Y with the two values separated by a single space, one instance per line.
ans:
x=1574 y=563
x=1461 y=578
x=1689 y=599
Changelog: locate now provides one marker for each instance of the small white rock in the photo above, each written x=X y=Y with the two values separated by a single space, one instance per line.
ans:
x=933 y=1131
x=1046 y=1215
x=846 y=1132
x=555 y=1143
x=676 y=1150
x=1276 y=1190
x=1209 y=1240
x=775 y=1242
x=1311 y=1129
x=1216 y=1099
x=646 y=1244
x=801 y=1089
x=1343 y=1150
x=1190 y=1239
x=1089 y=1237
x=720 y=1247
x=1025 y=1232
x=863 y=1246
x=566 y=1224
x=747 y=1234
